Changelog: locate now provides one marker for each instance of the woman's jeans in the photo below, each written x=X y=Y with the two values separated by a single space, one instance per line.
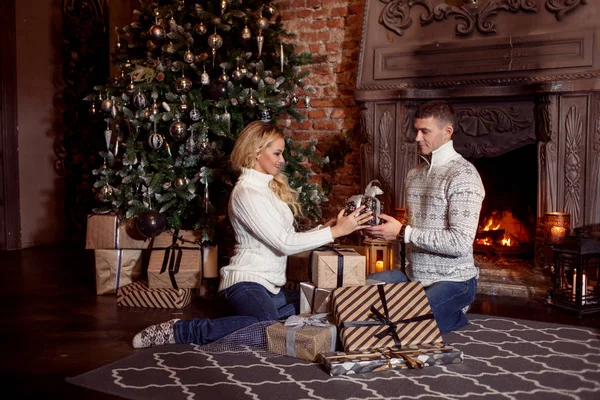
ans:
x=446 y=299
x=251 y=302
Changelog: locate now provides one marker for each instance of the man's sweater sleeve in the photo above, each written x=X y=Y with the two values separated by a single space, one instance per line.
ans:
x=464 y=205
x=265 y=224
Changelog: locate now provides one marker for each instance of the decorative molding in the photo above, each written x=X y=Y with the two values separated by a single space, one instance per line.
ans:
x=543 y=118
x=562 y=7
x=573 y=167
x=366 y=148
x=594 y=172
x=386 y=132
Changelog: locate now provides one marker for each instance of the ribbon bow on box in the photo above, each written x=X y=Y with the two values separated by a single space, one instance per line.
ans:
x=369 y=200
x=297 y=321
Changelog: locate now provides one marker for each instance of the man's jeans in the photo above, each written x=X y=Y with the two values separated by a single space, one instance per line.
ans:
x=251 y=302
x=447 y=299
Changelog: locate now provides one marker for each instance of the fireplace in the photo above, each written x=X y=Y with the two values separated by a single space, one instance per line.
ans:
x=525 y=99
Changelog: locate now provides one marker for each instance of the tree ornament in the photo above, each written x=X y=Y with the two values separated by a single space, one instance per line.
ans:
x=224 y=77
x=113 y=111
x=264 y=115
x=206 y=196
x=178 y=130
x=223 y=6
x=172 y=24
x=195 y=114
x=180 y=182
x=237 y=74
x=130 y=87
x=106 y=105
x=204 y=143
x=147 y=113
x=139 y=100
x=170 y=48
x=127 y=64
x=151 y=46
x=106 y=193
x=260 y=40
x=217 y=90
x=107 y=135
x=189 y=57
x=307 y=101
x=246 y=34
x=205 y=78
x=200 y=29
x=262 y=23
x=168 y=148
x=270 y=10
x=226 y=117
x=252 y=101
x=256 y=78
x=244 y=69
x=183 y=84
x=155 y=140
x=92 y=109
x=150 y=223
x=215 y=41
x=155 y=110
x=294 y=100
x=183 y=107
x=157 y=32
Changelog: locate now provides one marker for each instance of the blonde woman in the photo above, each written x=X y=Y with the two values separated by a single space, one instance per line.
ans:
x=262 y=207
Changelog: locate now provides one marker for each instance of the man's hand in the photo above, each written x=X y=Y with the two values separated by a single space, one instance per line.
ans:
x=387 y=231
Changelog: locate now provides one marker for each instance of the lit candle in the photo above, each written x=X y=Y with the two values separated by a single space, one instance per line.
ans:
x=557 y=233
x=583 y=288
x=379 y=266
x=574 y=287
x=209 y=261
x=281 y=56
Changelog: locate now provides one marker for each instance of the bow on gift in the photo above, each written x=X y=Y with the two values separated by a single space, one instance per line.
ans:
x=373 y=190
x=410 y=362
x=340 y=267
x=297 y=321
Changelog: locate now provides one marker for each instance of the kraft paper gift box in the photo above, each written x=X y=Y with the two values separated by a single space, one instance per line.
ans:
x=384 y=316
x=138 y=294
x=175 y=268
x=116 y=268
x=105 y=231
x=314 y=300
x=412 y=357
x=333 y=268
x=302 y=336
x=191 y=239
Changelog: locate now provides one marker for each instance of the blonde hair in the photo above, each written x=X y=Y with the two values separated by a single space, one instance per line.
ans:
x=253 y=139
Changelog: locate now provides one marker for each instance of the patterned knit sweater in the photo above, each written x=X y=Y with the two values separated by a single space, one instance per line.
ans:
x=265 y=235
x=443 y=198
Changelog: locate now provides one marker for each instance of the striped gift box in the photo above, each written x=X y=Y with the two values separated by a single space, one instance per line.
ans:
x=384 y=316
x=138 y=294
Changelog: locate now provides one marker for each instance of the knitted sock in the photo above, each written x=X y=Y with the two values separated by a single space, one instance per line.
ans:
x=155 y=335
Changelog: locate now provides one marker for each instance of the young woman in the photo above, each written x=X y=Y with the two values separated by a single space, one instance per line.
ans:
x=262 y=207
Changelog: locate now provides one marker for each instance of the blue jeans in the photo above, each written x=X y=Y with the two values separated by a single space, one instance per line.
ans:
x=446 y=299
x=251 y=302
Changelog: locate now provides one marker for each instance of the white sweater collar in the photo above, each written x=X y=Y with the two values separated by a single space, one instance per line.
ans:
x=255 y=178
x=441 y=155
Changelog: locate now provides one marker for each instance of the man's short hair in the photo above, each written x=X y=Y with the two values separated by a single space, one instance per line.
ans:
x=442 y=112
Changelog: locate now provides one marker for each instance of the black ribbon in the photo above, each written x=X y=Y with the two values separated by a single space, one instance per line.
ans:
x=340 y=261
x=172 y=259
x=384 y=319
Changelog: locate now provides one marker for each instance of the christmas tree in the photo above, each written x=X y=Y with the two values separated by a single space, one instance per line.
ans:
x=191 y=75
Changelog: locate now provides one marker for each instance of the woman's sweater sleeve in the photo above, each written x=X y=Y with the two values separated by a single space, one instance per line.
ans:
x=253 y=210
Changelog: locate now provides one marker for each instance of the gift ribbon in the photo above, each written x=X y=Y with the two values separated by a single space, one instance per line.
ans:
x=172 y=260
x=340 y=262
x=119 y=261
x=384 y=319
x=411 y=362
x=296 y=322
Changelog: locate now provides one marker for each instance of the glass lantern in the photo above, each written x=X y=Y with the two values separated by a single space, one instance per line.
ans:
x=379 y=255
x=576 y=274
x=556 y=227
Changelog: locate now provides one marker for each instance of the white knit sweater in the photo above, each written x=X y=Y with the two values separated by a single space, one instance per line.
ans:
x=265 y=235
x=443 y=198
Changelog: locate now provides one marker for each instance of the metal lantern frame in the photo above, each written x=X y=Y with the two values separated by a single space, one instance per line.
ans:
x=576 y=278
x=378 y=250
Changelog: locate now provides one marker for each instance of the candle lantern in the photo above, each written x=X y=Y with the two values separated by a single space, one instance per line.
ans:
x=379 y=255
x=576 y=274
x=556 y=227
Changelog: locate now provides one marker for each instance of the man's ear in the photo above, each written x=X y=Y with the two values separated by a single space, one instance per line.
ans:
x=448 y=131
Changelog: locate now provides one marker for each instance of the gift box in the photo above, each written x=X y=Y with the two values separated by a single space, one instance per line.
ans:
x=175 y=268
x=116 y=268
x=368 y=200
x=412 y=357
x=138 y=294
x=384 y=316
x=298 y=266
x=314 y=300
x=332 y=267
x=302 y=336
x=105 y=231
x=184 y=238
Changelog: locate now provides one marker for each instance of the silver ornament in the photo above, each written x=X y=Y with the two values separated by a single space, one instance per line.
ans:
x=223 y=6
x=183 y=84
x=92 y=109
x=180 y=182
x=256 y=78
x=127 y=64
x=106 y=193
x=260 y=40
x=183 y=107
x=189 y=57
x=195 y=115
x=226 y=117
x=246 y=34
x=154 y=109
x=204 y=142
x=107 y=137
x=113 y=111
x=307 y=101
x=215 y=41
x=157 y=32
x=205 y=78
x=237 y=74
x=155 y=140
x=200 y=29
x=224 y=77
x=106 y=105
x=172 y=24
x=178 y=130
x=294 y=100
x=252 y=101
x=270 y=10
x=130 y=87
x=262 y=23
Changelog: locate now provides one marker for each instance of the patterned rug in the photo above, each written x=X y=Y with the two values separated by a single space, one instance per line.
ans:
x=504 y=359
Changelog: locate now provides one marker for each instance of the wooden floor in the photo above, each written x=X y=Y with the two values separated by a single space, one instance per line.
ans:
x=54 y=326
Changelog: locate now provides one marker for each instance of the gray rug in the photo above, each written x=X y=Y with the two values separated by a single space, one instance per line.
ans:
x=504 y=359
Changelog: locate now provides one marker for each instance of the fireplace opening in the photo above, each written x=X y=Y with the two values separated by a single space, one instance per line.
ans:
x=507 y=221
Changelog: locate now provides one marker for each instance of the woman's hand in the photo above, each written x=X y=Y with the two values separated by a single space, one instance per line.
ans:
x=346 y=224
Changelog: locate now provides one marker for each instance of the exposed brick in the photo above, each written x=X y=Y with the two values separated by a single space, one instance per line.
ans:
x=320 y=14
x=354 y=20
x=326 y=125
x=339 y=12
x=317 y=114
x=298 y=3
x=332 y=47
x=336 y=23
x=338 y=113
x=314 y=3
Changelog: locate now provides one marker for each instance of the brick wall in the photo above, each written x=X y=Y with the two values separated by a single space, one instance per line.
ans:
x=330 y=30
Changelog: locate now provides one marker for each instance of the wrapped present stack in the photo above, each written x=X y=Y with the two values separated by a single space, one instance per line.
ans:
x=117 y=251
x=369 y=200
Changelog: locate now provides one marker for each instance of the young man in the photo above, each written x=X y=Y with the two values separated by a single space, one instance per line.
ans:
x=443 y=199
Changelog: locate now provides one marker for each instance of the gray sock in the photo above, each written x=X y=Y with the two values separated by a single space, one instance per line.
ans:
x=155 y=335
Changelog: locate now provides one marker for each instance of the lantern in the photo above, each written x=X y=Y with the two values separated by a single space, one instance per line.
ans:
x=576 y=274
x=379 y=255
x=556 y=227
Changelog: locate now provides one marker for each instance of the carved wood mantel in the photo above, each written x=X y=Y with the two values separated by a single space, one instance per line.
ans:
x=516 y=71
